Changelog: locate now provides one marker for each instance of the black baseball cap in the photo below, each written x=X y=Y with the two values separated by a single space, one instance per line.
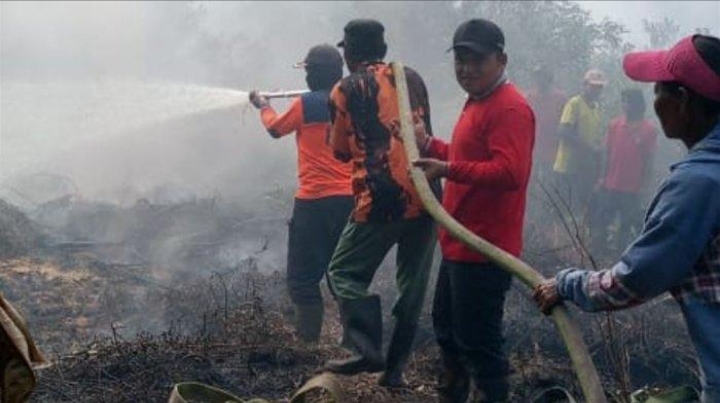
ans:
x=479 y=35
x=364 y=37
x=321 y=55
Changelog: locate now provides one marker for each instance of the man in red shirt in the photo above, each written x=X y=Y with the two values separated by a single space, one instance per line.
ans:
x=547 y=102
x=323 y=200
x=629 y=149
x=487 y=167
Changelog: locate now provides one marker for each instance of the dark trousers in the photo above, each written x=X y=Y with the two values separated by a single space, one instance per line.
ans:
x=315 y=228
x=576 y=188
x=608 y=206
x=467 y=317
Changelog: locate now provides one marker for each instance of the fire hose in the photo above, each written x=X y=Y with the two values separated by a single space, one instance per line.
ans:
x=189 y=392
x=283 y=94
x=18 y=356
x=566 y=325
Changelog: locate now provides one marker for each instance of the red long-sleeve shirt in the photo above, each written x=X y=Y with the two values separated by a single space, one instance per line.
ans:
x=490 y=156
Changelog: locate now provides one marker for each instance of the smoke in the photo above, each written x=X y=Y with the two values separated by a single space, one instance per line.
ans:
x=131 y=100
x=689 y=15
x=233 y=45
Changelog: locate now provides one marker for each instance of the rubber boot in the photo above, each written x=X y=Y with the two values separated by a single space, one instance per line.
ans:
x=491 y=381
x=401 y=346
x=454 y=383
x=308 y=322
x=491 y=390
x=362 y=323
x=345 y=343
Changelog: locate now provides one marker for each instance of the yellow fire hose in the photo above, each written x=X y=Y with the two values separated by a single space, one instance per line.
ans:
x=570 y=332
x=18 y=356
x=192 y=392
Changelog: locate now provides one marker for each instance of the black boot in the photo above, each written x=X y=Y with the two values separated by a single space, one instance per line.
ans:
x=400 y=348
x=454 y=383
x=491 y=390
x=345 y=343
x=362 y=323
x=308 y=321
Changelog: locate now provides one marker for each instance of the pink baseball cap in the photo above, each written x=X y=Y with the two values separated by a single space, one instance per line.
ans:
x=682 y=63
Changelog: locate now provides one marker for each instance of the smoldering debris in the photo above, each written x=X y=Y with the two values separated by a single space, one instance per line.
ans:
x=191 y=236
x=255 y=354
x=127 y=300
x=18 y=234
x=91 y=264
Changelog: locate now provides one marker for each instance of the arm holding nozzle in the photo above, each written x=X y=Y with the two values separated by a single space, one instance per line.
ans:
x=258 y=100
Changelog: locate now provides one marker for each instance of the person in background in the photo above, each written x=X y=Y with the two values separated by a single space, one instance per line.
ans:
x=629 y=149
x=388 y=211
x=679 y=247
x=323 y=200
x=547 y=103
x=486 y=166
x=578 y=158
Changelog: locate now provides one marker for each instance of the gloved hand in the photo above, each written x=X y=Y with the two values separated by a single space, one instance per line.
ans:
x=258 y=100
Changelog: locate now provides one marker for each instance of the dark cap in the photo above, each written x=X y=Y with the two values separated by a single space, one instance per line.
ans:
x=364 y=37
x=480 y=36
x=321 y=55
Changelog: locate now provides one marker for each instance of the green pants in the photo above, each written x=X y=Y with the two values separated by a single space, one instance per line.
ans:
x=363 y=246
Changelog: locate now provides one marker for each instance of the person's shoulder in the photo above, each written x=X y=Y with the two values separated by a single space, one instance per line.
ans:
x=702 y=178
x=336 y=88
x=315 y=95
x=687 y=195
x=338 y=92
x=346 y=80
x=571 y=104
x=413 y=76
x=409 y=71
x=508 y=104
x=511 y=97
x=574 y=100
x=689 y=185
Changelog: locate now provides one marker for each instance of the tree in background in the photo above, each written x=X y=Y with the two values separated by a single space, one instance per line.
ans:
x=560 y=34
x=661 y=33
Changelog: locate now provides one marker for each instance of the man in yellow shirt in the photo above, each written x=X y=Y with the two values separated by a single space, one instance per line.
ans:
x=578 y=158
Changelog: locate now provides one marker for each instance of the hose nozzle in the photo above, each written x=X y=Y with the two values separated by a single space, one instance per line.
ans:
x=283 y=94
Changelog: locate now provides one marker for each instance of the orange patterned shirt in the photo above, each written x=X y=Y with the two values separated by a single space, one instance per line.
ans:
x=365 y=129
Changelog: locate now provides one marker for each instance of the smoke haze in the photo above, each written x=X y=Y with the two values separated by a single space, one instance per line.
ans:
x=68 y=71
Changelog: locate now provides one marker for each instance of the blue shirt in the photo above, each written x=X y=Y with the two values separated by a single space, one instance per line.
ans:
x=678 y=251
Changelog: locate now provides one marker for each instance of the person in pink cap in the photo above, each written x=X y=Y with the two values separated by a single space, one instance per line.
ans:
x=679 y=248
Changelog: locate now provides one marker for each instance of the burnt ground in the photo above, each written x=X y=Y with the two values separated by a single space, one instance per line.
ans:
x=127 y=301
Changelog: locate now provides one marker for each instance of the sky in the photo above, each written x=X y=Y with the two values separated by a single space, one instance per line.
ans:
x=688 y=14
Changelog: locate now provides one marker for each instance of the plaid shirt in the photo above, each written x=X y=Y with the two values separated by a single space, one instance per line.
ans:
x=704 y=282
x=604 y=290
